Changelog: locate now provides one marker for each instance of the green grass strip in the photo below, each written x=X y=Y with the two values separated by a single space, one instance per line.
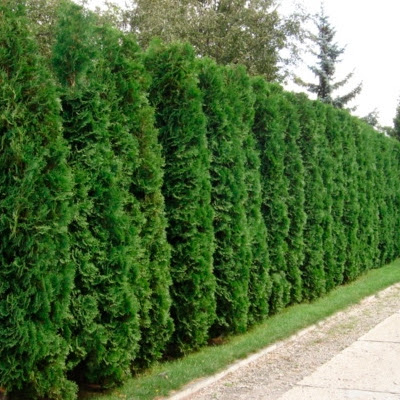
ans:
x=162 y=378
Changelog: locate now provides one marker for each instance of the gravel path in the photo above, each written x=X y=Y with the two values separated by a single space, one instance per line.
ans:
x=273 y=374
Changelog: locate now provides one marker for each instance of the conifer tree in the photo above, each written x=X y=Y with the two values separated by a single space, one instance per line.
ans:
x=325 y=163
x=334 y=135
x=187 y=190
x=365 y=190
x=270 y=136
x=351 y=208
x=144 y=181
x=36 y=273
x=313 y=272
x=294 y=171
x=104 y=329
x=259 y=283
x=228 y=195
x=328 y=53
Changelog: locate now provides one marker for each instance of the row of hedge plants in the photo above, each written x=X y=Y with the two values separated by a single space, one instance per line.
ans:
x=153 y=201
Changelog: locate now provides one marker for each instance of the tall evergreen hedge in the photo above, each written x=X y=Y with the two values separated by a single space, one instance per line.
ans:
x=351 y=208
x=186 y=200
x=36 y=272
x=313 y=272
x=228 y=196
x=326 y=166
x=106 y=247
x=144 y=180
x=177 y=100
x=334 y=138
x=270 y=134
x=294 y=171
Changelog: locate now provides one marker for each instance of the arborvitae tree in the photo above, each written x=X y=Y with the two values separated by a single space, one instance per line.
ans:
x=314 y=284
x=328 y=53
x=104 y=329
x=36 y=273
x=270 y=136
x=178 y=103
x=259 y=284
x=385 y=201
x=351 y=206
x=365 y=190
x=370 y=212
x=294 y=171
x=145 y=181
x=325 y=163
x=228 y=195
x=334 y=135
x=396 y=201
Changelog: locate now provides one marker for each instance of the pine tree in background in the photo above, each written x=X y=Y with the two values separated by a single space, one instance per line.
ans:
x=228 y=195
x=144 y=182
x=106 y=248
x=314 y=280
x=187 y=190
x=36 y=273
x=328 y=53
x=270 y=136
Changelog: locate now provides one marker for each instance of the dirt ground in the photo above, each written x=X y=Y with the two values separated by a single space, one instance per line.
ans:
x=273 y=374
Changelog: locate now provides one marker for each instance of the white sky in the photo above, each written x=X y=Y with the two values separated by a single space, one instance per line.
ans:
x=370 y=31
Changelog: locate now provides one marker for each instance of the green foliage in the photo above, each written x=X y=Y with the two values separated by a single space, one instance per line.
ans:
x=247 y=32
x=144 y=181
x=314 y=279
x=228 y=201
x=294 y=171
x=224 y=111
x=104 y=330
x=178 y=103
x=327 y=53
x=351 y=208
x=270 y=133
x=395 y=131
x=334 y=137
x=36 y=273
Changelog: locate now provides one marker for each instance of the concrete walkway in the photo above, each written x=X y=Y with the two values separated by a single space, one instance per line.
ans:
x=369 y=369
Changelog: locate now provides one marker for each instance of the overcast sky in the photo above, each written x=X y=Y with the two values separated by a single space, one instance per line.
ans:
x=370 y=31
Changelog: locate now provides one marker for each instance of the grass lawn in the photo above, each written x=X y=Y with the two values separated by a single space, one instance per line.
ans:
x=165 y=377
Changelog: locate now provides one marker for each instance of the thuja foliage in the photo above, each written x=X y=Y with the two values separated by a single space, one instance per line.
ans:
x=232 y=255
x=259 y=287
x=144 y=180
x=313 y=273
x=36 y=272
x=270 y=133
x=294 y=171
x=187 y=190
x=106 y=247
x=185 y=201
